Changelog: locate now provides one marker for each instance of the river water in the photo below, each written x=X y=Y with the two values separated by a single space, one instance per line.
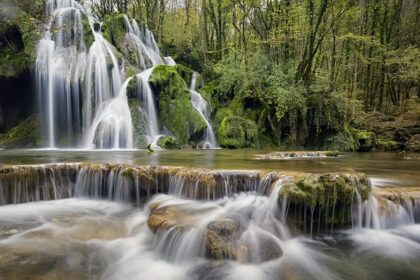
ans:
x=82 y=238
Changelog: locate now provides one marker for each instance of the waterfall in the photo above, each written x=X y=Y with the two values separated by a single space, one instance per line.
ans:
x=81 y=91
x=145 y=94
x=59 y=67
x=157 y=222
x=112 y=126
x=203 y=108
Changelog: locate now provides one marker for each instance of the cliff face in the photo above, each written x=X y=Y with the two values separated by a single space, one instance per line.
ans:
x=20 y=29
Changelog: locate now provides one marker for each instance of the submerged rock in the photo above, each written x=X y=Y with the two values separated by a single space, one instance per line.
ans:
x=298 y=154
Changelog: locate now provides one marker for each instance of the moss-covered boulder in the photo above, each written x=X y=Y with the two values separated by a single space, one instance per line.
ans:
x=237 y=132
x=24 y=135
x=176 y=111
x=322 y=201
x=350 y=139
x=168 y=142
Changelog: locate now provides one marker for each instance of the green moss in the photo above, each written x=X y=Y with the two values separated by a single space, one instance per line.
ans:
x=89 y=37
x=132 y=88
x=329 y=196
x=332 y=153
x=350 y=139
x=114 y=29
x=176 y=111
x=168 y=142
x=21 y=34
x=237 y=132
x=364 y=139
x=139 y=123
x=11 y=63
x=25 y=134
x=382 y=144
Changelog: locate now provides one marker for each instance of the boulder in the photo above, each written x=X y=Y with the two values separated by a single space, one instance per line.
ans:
x=220 y=240
x=176 y=111
x=327 y=198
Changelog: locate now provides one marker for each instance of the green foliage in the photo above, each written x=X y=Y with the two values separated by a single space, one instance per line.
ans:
x=237 y=132
x=168 y=142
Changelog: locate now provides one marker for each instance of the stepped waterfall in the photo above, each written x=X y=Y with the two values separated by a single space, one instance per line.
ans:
x=83 y=90
x=125 y=221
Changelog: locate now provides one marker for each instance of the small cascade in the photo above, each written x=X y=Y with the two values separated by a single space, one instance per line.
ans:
x=381 y=213
x=123 y=182
x=82 y=93
x=112 y=126
x=201 y=105
x=59 y=68
x=145 y=94
x=29 y=183
x=148 y=54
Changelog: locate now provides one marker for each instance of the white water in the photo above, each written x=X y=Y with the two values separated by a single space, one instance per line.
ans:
x=97 y=239
x=82 y=92
x=202 y=107
x=145 y=94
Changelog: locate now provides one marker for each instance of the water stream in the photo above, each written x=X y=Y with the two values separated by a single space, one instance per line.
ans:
x=101 y=234
x=202 y=106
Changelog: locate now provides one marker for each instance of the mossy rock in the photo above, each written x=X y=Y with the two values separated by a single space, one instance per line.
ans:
x=237 y=132
x=365 y=140
x=138 y=118
x=220 y=240
x=20 y=35
x=114 y=28
x=168 y=142
x=24 y=135
x=131 y=90
x=327 y=198
x=176 y=111
x=89 y=37
x=382 y=144
x=350 y=139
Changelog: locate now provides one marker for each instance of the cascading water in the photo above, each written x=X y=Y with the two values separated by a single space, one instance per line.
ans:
x=145 y=94
x=201 y=105
x=238 y=230
x=59 y=67
x=73 y=93
x=82 y=93
x=86 y=103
